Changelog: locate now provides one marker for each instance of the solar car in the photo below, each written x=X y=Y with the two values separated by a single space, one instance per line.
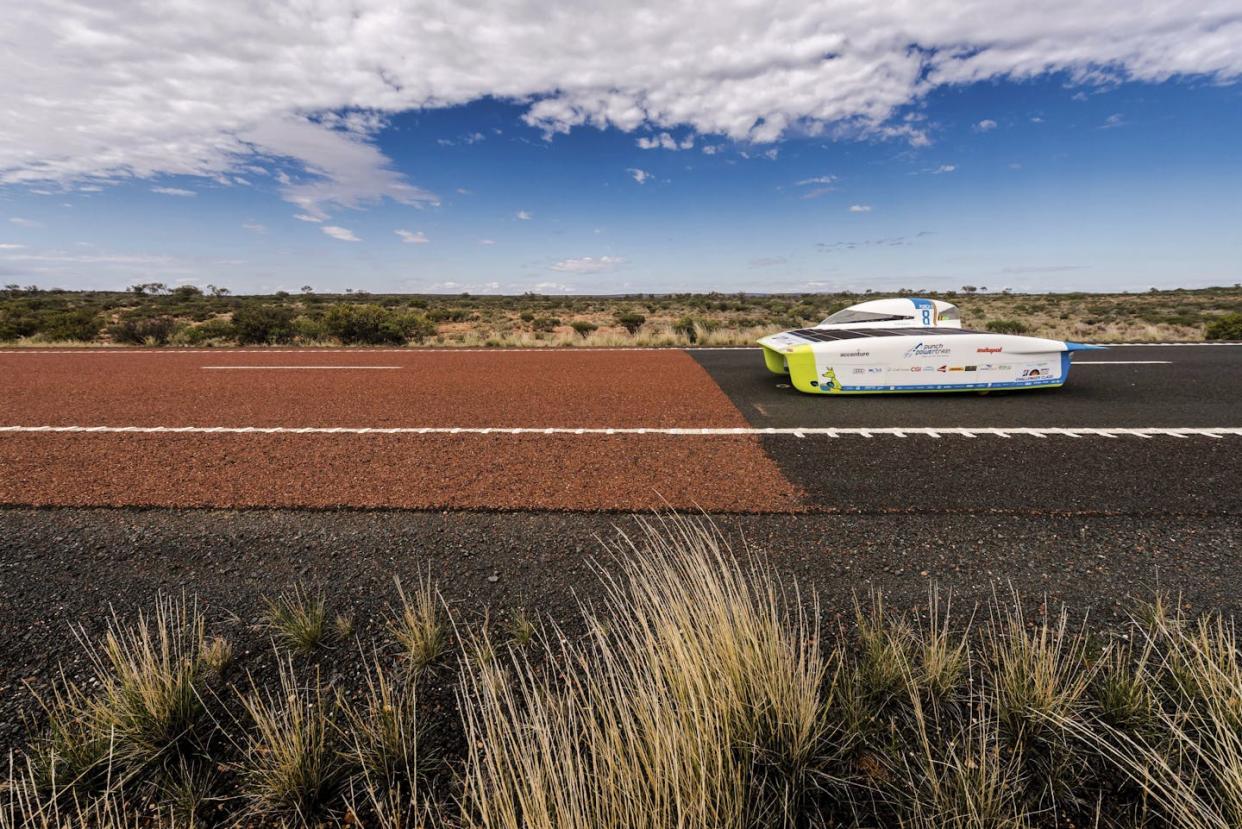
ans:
x=906 y=344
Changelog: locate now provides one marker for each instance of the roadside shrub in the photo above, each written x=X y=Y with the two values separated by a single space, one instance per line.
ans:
x=310 y=329
x=1228 y=327
x=143 y=330
x=212 y=329
x=374 y=325
x=546 y=325
x=263 y=324
x=583 y=328
x=81 y=324
x=1006 y=327
x=417 y=626
x=15 y=324
x=687 y=327
x=630 y=321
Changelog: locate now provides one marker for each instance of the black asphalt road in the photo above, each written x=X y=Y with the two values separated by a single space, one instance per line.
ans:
x=1199 y=386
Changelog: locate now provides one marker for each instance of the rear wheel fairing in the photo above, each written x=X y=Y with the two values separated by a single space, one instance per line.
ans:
x=775 y=361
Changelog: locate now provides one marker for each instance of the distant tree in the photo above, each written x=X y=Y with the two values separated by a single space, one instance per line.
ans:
x=187 y=292
x=969 y=289
x=307 y=289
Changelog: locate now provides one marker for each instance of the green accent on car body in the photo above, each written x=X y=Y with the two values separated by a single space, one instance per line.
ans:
x=774 y=360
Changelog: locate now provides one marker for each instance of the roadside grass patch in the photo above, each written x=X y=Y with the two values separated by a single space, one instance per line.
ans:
x=298 y=620
x=699 y=690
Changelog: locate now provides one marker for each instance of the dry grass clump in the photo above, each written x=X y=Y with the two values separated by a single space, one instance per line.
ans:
x=299 y=620
x=702 y=692
x=418 y=626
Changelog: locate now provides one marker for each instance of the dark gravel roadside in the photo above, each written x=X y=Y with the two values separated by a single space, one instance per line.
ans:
x=65 y=567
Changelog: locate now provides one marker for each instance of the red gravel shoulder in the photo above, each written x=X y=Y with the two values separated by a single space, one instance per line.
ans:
x=557 y=472
x=441 y=388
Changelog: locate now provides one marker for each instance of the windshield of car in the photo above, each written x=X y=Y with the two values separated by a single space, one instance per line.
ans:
x=949 y=314
x=848 y=317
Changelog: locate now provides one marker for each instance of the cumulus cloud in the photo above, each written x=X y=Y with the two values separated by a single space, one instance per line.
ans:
x=641 y=176
x=342 y=233
x=174 y=191
x=301 y=90
x=415 y=238
x=523 y=215
x=986 y=125
x=860 y=208
x=665 y=141
x=588 y=264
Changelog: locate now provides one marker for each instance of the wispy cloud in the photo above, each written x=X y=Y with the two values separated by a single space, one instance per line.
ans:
x=1114 y=120
x=254 y=227
x=816 y=180
x=944 y=168
x=1024 y=269
x=10 y=246
x=22 y=222
x=815 y=193
x=986 y=125
x=641 y=176
x=306 y=217
x=412 y=238
x=664 y=141
x=487 y=242
x=588 y=264
x=860 y=208
x=174 y=191
x=342 y=233
x=523 y=215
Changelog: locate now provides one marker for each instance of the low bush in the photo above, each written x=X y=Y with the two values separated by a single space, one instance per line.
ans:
x=263 y=324
x=143 y=330
x=630 y=321
x=583 y=328
x=1228 y=327
x=1006 y=327
x=374 y=325
x=81 y=324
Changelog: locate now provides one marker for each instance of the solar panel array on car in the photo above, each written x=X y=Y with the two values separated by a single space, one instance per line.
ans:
x=822 y=335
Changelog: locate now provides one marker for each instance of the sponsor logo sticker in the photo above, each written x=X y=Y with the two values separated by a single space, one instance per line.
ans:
x=988 y=350
x=855 y=353
x=927 y=350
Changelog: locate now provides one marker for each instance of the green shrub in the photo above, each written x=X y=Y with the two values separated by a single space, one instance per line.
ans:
x=263 y=324
x=1006 y=327
x=17 y=323
x=310 y=329
x=140 y=331
x=583 y=327
x=373 y=325
x=630 y=321
x=1228 y=327
x=76 y=324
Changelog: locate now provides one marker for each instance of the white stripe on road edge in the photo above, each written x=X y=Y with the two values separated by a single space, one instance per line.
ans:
x=448 y=349
x=797 y=431
x=1122 y=363
x=292 y=368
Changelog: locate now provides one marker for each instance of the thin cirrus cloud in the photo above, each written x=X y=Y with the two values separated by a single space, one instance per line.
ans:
x=588 y=264
x=860 y=208
x=342 y=233
x=174 y=191
x=413 y=237
x=222 y=90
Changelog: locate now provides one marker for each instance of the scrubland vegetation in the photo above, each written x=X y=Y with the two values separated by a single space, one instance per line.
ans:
x=700 y=692
x=186 y=316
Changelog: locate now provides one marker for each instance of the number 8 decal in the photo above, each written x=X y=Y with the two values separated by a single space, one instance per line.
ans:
x=926 y=317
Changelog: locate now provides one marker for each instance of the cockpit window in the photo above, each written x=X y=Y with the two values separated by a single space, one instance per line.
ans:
x=950 y=314
x=848 y=317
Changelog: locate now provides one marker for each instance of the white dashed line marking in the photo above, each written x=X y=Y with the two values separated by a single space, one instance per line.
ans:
x=798 y=431
x=300 y=368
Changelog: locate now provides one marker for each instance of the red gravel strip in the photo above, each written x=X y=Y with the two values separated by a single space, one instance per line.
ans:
x=501 y=388
x=621 y=472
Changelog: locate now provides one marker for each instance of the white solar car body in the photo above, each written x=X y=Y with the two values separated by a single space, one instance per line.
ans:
x=884 y=347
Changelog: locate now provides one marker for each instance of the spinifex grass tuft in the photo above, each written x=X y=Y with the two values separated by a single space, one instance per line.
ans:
x=299 y=620
x=418 y=626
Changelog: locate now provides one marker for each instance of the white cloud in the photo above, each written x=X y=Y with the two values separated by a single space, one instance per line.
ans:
x=548 y=287
x=217 y=89
x=174 y=191
x=417 y=238
x=487 y=241
x=10 y=246
x=1114 y=120
x=342 y=233
x=666 y=142
x=986 y=125
x=20 y=222
x=815 y=180
x=638 y=175
x=255 y=227
x=524 y=216
x=588 y=264
x=860 y=208
x=944 y=168
x=816 y=192
x=712 y=149
x=306 y=217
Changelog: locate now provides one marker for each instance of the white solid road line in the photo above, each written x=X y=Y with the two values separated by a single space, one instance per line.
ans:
x=297 y=368
x=800 y=431
x=220 y=352
x=1122 y=363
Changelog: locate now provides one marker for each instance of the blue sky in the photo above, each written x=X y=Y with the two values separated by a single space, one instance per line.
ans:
x=1073 y=178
